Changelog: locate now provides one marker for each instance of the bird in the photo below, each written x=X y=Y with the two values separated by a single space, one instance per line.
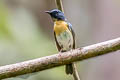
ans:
x=63 y=34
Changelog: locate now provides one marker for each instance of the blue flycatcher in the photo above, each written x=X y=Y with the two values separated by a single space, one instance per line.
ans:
x=64 y=34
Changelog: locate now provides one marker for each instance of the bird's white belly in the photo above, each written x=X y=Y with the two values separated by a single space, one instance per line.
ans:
x=65 y=40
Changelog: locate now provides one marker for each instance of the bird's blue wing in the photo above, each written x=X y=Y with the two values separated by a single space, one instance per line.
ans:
x=73 y=34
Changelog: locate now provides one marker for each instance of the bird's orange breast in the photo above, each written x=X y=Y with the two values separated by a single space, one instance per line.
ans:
x=60 y=26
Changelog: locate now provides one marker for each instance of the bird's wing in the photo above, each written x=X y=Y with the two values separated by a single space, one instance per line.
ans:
x=73 y=34
x=58 y=46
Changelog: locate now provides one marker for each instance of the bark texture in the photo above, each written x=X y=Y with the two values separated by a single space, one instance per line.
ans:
x=59 y=59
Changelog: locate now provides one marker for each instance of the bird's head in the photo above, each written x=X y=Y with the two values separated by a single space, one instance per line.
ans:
x=56 y=14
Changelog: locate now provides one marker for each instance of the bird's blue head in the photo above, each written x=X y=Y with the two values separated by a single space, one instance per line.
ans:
x=56 y=14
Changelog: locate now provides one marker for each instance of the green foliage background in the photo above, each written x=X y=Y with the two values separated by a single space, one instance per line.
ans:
x=22 y=39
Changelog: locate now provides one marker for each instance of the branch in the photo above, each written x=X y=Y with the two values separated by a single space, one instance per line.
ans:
x=59 y=59
x=75 y=73
x=59 y=5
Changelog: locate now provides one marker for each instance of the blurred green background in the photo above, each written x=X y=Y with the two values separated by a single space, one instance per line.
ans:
x=26 y=33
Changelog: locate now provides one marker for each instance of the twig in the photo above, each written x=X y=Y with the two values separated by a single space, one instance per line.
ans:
x=59 y=5
x=59 y=59
x=75 y=72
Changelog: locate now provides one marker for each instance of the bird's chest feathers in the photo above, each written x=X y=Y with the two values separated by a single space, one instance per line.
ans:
x=65 y=40
x=60 y=26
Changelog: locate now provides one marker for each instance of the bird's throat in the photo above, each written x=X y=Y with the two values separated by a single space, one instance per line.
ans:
x=60 y=26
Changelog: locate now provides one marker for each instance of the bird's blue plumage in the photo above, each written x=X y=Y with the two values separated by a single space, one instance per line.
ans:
x=56 y=14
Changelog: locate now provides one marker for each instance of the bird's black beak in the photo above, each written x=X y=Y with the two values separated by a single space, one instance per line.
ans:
x=47 y=12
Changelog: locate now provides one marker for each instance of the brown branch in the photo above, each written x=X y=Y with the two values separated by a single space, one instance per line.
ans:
x=59 y=5
x=75 y=72
x=59 y=59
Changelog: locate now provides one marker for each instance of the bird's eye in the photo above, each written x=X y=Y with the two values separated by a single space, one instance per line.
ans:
x=57 y=14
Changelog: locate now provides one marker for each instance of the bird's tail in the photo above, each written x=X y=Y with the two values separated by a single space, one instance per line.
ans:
x=69 y=69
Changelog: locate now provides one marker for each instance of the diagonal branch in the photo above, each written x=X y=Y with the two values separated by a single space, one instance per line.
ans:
x=59 y=5
x=59 y=59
